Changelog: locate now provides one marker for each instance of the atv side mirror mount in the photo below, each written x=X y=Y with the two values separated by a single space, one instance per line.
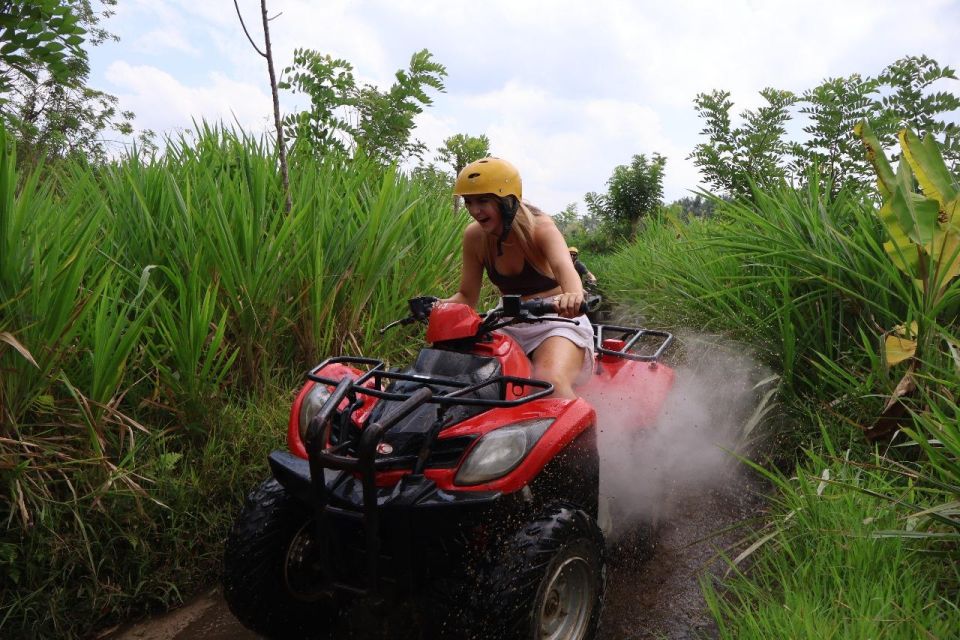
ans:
x=421 y=306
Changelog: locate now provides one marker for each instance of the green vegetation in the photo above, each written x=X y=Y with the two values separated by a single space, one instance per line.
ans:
x=156 y=315
x=343 y=115
x=738 y=158
x=46 y=103
x=634 y=191
x=837 y=563
x=40 y=33
x=837 y=296
x=157 y=312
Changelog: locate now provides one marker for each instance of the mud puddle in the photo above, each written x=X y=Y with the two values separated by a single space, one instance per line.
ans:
x=652 y=594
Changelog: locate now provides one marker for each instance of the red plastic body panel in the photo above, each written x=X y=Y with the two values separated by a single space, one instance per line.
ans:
x=622 y=385
x=572 y=418
x=334 y=371
x=513 y=361
x=452 y=321
x=619 y=385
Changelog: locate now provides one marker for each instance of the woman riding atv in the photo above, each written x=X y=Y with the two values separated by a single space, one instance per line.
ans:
x=524 y=254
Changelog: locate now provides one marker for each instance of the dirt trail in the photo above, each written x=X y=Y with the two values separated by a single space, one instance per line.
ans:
x=658 y=596
x=652 y=597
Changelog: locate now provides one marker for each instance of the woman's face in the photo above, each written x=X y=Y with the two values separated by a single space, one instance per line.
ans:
x=485 y=209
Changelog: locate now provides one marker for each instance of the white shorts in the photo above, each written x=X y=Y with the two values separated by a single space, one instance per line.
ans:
x=530 y=336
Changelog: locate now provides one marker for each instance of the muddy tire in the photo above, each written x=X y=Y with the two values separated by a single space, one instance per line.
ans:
x=547 y=580
x=270 y=580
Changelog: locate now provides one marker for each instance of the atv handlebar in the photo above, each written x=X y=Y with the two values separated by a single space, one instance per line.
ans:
x=512 y=307
x=515 y=307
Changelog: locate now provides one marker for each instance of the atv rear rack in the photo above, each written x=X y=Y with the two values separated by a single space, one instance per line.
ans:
x=630 y=336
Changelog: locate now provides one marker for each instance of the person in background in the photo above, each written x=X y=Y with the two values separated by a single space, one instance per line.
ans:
x=523 y=253
x=585 y=275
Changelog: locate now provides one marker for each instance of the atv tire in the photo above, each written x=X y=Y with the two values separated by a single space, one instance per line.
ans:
x=547 y=580
x=269 y=577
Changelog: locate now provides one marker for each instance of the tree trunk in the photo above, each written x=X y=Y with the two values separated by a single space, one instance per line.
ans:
x=281 y=146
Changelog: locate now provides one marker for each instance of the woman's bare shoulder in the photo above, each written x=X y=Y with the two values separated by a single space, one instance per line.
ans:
x=545 y=227
x=473 y=235
x=474 y=239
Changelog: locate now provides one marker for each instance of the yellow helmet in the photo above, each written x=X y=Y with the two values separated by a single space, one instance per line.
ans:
x=489 y=175
x=573 y=250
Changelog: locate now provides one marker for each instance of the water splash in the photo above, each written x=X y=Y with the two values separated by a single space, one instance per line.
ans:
x=721 y=392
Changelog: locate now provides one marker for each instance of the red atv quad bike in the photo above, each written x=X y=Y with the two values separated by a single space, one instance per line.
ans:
x=456 y=487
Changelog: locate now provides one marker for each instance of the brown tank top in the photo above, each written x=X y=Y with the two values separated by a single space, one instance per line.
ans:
x=525 y=283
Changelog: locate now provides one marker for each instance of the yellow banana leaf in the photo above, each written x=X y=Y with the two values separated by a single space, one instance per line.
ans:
x=950 y=217
x=900 y=248
x=923 y=213
x=928 y=166
x=945 y=251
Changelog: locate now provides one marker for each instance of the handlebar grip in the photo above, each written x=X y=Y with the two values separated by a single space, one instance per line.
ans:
x=545 y=306
x=540 y=306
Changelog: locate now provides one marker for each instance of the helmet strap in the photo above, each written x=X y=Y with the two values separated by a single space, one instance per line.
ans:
x=508 y=211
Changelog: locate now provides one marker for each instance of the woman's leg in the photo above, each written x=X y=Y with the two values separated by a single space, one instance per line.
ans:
x=558 y=361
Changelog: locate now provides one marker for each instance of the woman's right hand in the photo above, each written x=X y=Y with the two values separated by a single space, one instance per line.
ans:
x=568 y=304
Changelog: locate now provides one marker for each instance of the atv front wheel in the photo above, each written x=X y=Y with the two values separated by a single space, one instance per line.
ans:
x=548 y=579
x=271 y=577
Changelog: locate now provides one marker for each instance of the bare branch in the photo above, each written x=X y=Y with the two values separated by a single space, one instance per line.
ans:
x=242 y=24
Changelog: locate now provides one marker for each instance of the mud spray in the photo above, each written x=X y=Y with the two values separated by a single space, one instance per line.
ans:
x=720 y=394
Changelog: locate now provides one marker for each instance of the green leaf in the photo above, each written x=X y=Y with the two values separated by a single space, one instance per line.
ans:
x=874 y=151
x=900 y=248
x=923 y=214
x=946 y=251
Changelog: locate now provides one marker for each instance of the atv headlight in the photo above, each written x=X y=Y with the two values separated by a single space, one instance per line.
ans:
x=500 y=451
x=311 y=405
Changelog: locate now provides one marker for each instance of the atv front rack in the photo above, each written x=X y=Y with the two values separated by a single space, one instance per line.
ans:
x=378 y=374
x=362 y=456
x=630 y=337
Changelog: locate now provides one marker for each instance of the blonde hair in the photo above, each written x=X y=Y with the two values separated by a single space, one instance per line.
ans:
x=521 y=232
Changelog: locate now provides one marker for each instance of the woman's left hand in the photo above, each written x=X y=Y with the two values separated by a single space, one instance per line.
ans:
x=568 y=304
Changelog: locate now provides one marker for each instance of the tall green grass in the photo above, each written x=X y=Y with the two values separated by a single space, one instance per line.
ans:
x=802 y=276
x=832 y=566
x=143 y=306
x=799 y=274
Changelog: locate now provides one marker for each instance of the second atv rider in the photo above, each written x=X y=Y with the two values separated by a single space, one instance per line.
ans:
x=524 y=254
x=585 y=275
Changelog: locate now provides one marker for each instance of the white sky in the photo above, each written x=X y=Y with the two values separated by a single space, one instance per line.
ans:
x=565 y=90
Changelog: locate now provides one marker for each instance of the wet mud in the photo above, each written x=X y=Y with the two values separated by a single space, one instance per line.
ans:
x=653 y=592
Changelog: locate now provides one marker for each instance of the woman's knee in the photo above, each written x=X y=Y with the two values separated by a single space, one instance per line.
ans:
x=555 y=373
